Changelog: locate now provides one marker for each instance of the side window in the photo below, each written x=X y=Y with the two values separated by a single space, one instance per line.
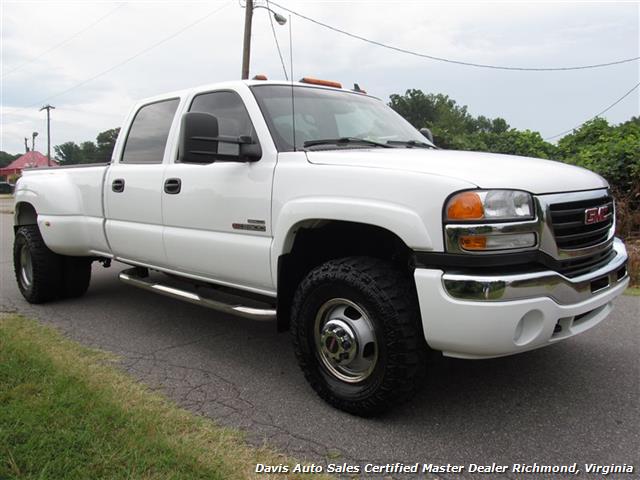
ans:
x=233 y=119
x=148 y=133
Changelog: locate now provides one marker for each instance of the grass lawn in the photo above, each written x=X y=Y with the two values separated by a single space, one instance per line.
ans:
x=67 y=413
x=633 y=291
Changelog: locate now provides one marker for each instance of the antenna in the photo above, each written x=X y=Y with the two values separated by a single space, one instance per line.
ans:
x=293 y=108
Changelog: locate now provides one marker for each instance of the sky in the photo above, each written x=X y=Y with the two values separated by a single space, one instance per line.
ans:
x=93 y=59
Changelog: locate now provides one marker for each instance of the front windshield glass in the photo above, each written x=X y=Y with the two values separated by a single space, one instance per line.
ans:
x=322 y=114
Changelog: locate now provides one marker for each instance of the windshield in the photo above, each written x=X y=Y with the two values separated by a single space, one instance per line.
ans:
x=322 y=114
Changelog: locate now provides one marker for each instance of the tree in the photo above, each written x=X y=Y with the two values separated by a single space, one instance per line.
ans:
x=69 y=153
x=7 y=158
x=611 y=151
x=450 y=123
x=106 y=141
x=89 y=152
x=513 y=142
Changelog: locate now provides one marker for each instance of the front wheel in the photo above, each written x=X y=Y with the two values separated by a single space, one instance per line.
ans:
x=357 y=334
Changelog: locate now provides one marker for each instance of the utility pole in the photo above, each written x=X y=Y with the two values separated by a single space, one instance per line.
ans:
x=246 y=48
x=48 y=108
x=26 y=145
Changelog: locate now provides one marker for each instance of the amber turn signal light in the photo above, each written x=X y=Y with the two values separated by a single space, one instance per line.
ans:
x=465 y=206
x=473 y=242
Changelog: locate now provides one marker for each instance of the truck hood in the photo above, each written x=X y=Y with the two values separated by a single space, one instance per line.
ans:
x=485 y=170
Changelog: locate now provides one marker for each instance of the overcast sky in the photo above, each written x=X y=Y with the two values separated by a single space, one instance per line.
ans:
x=514 y=33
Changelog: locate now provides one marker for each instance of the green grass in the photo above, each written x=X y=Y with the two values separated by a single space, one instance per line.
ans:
x=632 y=291
x=67 y=413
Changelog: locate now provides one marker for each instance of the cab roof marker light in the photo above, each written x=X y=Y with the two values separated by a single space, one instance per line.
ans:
x=317 y=81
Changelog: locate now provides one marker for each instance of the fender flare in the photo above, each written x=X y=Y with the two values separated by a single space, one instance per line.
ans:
x=398 y=219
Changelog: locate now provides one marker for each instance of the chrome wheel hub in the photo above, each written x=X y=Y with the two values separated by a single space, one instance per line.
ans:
x=345 y=340
x=26 y=266
x=338 y=342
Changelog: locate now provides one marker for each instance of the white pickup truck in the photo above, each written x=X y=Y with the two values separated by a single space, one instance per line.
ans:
x=321 y=209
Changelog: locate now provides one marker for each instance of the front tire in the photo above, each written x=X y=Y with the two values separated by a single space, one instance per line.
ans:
x=357 y=334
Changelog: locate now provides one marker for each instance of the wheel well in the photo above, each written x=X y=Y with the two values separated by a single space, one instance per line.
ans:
x=25 y=215
x=318 y=241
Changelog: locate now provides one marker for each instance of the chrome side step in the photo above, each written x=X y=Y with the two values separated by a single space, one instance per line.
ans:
x=130 y=277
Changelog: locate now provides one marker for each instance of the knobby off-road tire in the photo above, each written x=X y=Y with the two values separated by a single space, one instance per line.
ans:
x=43 y=275
x=370 y=301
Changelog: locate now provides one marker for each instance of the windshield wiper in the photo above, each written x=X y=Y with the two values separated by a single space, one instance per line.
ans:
x=410 y=143
x=344 y=141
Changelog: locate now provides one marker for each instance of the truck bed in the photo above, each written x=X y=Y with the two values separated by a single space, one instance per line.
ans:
x=69 y=205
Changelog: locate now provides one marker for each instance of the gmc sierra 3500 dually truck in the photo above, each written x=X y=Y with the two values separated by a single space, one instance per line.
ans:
x=323 y=210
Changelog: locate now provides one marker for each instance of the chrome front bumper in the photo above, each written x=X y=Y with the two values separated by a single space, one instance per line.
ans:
x=563 y=290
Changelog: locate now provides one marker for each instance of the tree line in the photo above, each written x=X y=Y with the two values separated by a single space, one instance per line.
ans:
x=70 y=153
x=613 y=151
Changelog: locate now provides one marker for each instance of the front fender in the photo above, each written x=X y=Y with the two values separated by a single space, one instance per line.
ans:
x=398 y=219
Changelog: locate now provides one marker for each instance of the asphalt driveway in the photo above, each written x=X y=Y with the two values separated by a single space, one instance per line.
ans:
x=572 y=402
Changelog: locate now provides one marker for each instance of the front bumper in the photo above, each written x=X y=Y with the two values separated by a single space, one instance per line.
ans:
x=488 y=316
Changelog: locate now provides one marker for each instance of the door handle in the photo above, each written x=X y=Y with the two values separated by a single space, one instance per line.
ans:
x=172 y=186
x=118 y=185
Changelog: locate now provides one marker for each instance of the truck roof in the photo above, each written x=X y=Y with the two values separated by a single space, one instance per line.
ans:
x=236 y=83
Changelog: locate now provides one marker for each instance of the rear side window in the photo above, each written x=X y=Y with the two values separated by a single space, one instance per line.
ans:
x=149 y=131
x=233 y=119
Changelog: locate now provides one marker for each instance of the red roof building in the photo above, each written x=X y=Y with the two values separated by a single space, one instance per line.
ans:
x=28 y=160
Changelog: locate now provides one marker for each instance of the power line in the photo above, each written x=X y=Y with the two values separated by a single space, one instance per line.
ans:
x=597 y=114
x=132 y=57
x=275 y=37
x=65 y=41
x=457 y=62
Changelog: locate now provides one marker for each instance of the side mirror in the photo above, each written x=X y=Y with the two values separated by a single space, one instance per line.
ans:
x=427 y=134
x=200 y=139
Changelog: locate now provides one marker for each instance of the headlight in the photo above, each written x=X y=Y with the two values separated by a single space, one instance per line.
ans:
x=490 y=220
x=489 y=205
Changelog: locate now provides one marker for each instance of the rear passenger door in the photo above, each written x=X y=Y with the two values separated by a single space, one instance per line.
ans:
x=133 y=187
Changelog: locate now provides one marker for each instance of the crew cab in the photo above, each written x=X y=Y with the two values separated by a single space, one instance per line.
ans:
x=322 y=210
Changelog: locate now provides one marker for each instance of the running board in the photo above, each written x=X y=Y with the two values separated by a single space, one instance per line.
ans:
x=129 y=277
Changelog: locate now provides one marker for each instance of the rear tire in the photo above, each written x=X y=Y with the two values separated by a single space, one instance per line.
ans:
x=76 y=276
x=43 y=275
x=38 y=270
x=357 y=334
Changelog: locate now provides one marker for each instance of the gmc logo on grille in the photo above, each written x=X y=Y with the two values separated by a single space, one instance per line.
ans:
x=596 y=214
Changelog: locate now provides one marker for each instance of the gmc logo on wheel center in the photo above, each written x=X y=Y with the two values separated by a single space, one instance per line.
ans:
x=596 y=214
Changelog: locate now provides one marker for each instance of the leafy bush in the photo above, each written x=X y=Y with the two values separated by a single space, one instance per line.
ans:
x=611 y=151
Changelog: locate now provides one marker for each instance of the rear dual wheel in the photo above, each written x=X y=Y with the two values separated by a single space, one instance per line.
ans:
x=43 y=275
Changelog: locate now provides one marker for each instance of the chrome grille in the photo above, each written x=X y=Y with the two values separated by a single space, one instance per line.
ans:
x=581 y=265
x=568 y=223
